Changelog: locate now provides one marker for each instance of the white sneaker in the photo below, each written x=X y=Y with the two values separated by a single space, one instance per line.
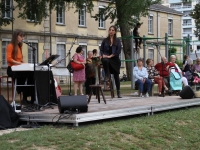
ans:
x=141 y=95
x=147 y=95
x=136 y=93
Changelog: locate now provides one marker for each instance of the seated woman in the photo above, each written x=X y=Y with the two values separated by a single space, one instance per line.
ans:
x=177 y=69
x=188 y=71
x=141 y=77
x=154 y=76
x=196 y=67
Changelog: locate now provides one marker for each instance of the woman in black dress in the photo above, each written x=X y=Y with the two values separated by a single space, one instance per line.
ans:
x=110 y=51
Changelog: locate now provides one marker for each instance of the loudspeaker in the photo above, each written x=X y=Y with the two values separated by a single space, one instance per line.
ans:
x=187 y=93
x=8 y=117
x=73 y=103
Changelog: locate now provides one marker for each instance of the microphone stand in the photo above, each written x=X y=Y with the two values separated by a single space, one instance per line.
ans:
x=36 y=98
x=69 y=58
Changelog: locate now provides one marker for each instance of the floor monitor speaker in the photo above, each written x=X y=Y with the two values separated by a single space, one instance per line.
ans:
x=72 y=103
x=187 y=93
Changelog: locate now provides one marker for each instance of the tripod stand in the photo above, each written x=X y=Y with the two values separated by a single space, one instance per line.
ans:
x=69 y=58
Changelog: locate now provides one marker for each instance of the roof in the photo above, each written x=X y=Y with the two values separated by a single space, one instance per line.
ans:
x=161 y=8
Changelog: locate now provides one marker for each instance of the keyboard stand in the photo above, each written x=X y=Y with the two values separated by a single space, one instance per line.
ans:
x=14 y=94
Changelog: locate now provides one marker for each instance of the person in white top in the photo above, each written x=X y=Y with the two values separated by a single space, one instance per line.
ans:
x=173 y=60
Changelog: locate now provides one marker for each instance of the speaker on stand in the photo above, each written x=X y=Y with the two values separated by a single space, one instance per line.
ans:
x=72 y=103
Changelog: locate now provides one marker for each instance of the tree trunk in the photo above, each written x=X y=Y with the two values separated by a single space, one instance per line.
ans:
x=127 y=50
x=125 y=31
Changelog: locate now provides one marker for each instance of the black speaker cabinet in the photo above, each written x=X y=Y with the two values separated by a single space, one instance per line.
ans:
x=73 y=103
x=187 y=93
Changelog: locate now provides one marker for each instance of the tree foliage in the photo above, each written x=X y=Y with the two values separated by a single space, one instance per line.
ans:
x=127 y=12
x=195 y=14
x=37 y=10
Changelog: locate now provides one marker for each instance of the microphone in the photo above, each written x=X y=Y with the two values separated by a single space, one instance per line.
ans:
x=26 y=42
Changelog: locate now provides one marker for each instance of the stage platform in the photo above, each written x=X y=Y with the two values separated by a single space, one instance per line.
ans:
x=115 y=107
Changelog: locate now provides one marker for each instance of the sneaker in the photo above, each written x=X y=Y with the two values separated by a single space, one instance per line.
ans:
x=135 y=94
x=142 y=96
x=147 y=95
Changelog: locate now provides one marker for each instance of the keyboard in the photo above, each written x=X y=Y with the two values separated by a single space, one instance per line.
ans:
x=28 y=67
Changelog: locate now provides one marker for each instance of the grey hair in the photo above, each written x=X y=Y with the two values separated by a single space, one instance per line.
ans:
x=89 y=52
x=198 y=59
x=172 y=56
x=189 y=61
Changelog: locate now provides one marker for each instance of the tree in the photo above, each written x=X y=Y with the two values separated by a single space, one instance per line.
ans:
x=125 y=14
x=37 y=10
x=195 y=14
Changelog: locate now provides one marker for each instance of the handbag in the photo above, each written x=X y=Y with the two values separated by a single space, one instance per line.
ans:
x=69 y=67
x=76 y=66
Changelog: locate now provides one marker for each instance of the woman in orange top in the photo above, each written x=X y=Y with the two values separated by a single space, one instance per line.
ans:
x=14 y=51
x=15 y=57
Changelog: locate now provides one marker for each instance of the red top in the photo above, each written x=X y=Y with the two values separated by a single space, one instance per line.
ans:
x=162 y=68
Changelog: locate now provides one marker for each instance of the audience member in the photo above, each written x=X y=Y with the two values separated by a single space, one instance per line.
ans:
x=154 y=76
x=141 y=77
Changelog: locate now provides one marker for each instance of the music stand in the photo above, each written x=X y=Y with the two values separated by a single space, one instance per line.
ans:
x=47 y=62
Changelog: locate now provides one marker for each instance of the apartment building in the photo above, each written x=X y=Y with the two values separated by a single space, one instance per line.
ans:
x=188 y=23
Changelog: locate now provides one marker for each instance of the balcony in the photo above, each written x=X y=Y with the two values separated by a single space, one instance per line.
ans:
x=187 y=24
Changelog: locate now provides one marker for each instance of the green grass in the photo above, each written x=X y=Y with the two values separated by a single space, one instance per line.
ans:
x=168 y=130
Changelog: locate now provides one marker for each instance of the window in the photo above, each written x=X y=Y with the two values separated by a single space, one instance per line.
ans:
x=7 y=12
x=150 y=24
x=170 y=27
x=187 y=31
x=4 y=59
x=31 y=10
x=151 y=53
x=31 y=52
x=101 y=21
x=84 y=47
x=62 y=52
x=60 y=15
x=82 y=16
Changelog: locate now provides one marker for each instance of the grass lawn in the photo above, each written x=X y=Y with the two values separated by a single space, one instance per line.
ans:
x=168 y=130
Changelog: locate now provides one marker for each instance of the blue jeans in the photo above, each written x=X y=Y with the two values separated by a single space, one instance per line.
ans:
x=140 y=84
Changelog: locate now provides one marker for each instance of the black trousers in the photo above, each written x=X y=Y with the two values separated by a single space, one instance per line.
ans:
x=88 y=82
x=111 y=68
x=138 y=41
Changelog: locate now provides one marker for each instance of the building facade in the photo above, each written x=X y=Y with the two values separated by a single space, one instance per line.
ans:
x=188 y=23
x=64 y=31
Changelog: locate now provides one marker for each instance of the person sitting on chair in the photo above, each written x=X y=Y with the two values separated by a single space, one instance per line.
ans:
x=163 y=71
x=110 y=51
x=196 y=67
x=155 y=77
x=172 y=63
x=15 y=57
x=141 y=77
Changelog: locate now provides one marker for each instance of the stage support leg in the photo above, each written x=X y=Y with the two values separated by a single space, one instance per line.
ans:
x=75 y=124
